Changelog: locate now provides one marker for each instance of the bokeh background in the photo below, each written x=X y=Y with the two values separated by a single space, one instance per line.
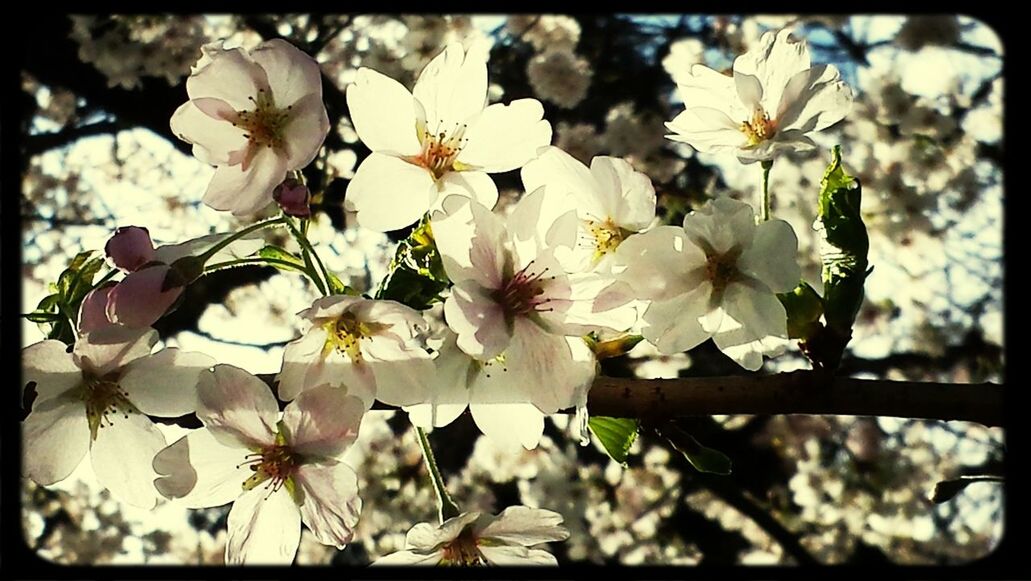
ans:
x=924 y=137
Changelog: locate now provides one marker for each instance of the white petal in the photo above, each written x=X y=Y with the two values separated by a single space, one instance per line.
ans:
x=264 y=529
x=453 y=86
x=402 y=380
x=474 y=184
x=405 y=558
x=239 y=248
x=51 y=367
x=237 y=407
x=629 y=194
x=506 y=137
x=176 y=477
x=383 y=113
x=298 y=357
x=517 y=556
x=291 y=73
x=471 y=242
x=702 y=87
x=774 y=61
x=245 y=192
x=165 y=383
x=122 y=456
x=773 y=256
x=427 y=537
x=759 y=312
x=673 y=325
x=214 y=140
x=749 y=90
x=660 y=264
x=508 y=425
x=105 y=350
x=707 y=130
x=389 y=193
x=741 y=345
x=331 y=503
x=447 y=387
x=814 y=99
x=722 y=223
x=231 y=76
x=55 y=438
x=549 y=368
x=478 y=320
x=305 y=132
x=556 y=170
x=522 y=525
x=218 y=471
x=323 y=421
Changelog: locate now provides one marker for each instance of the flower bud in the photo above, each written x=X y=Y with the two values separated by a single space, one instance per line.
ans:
x=293 y=197
x=130 y=248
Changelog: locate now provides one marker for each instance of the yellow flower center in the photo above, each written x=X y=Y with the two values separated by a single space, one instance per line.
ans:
x=274 y=464
x=345 y=335
x=104 y=398
x=606 y=236
x=440 y=149
x=759 y=128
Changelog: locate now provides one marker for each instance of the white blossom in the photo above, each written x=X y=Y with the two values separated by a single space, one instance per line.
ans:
x=770 y=105
x=716 y=277
x=254 y=115
x=439 y=139
x=473 y=538
x=559 y=76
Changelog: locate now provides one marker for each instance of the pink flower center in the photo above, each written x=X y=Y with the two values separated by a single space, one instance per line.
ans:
x=463 y=551
x=440 y=149
x=274 y=464
x=523 y=293
x=104 y=398
x=759 y=128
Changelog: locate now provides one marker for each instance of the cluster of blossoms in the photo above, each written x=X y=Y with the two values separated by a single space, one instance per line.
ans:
x=580 y=254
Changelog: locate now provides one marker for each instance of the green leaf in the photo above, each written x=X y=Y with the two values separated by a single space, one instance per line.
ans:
x=277 y=253
x=337 y=286
x=67 y=278
x=83 y=282
x=702 y=458
x=615 y=434
x=416 y=276
x=49 y=303
x=804 y=308
x=37 y=317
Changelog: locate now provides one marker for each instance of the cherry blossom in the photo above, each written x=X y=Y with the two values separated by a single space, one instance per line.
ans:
x=512 y=300
x=277 y=472
x=716 y=277
x=369 y=347
x=473 y=538
x=96 y=400
x=439 y=139
x=774 y=99
x=256 y=115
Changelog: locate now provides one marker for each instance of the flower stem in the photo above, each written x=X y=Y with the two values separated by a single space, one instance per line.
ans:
x=261 y=261
x=767 y=165
x=307 y=252
x=237 y=235
x=446 y=507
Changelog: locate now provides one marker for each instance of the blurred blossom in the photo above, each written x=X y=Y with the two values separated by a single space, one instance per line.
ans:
x=581 y=140
x=683 y=54
x=547 y=31
x=559 y=76
x=921 y=30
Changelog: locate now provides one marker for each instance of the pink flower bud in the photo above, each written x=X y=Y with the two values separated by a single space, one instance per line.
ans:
x=93 y=311
x=138 y=300
x=293 y=196
x=130 y=248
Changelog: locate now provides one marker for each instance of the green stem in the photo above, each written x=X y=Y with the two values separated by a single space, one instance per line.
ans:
x=308 y=252
x=236 y=236
x=446 y=507
x=256 y=260
x=766 y=165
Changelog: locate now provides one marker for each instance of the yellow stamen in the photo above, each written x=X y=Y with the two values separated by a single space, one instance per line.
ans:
x=759 y=128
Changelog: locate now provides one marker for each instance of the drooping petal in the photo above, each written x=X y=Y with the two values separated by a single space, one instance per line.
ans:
x=237 y=407
x=383 y=113
x=49 y=365
x=406 y=558
x=522 y=525
x=245 y=192
x=55 y=438
x=292 y=74
x=165 y=383
x=213 y=139
x=474 y=184
x=773 y=256
x=453 y=86
x=506 y=137
x=264 y=528
x=389 y=193
x=323 y=421
x=743 y=346
x=210 y=474
x=331 y=502
x=122 y=458
x=506 y=555
x=105 y=350
x=229 y=75
x=305 y=131
x=478 y=320
x=447 y=388
x=508 y=425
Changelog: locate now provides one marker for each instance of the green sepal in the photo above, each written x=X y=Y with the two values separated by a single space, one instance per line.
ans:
x=416 y=276
x=615 y=434
x=804 y=308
